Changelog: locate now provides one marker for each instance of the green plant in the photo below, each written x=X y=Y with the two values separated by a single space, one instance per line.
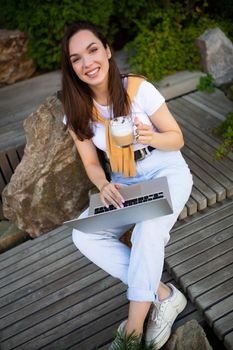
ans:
x=129 y=342
x=206 y=84
x=166 y=41
x=45 y=23
x=225 y=132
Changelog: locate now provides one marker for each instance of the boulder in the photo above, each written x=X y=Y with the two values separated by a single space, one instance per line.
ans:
x=14 y=63
x=190 y=336
x=50 y=184
x=216 y=55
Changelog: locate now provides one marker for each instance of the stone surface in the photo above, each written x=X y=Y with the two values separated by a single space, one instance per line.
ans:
x=14 y=63
x=10 y=235
x=216 y=55
x=50 y=185
x=190 y=336
x=228 y=90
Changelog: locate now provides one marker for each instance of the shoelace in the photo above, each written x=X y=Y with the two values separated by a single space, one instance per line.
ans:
x=156 y=313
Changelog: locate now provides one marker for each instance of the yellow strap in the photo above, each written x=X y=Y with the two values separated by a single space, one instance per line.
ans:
x=121 y=159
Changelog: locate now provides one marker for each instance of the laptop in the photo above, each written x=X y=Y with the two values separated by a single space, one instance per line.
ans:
x=143 y=201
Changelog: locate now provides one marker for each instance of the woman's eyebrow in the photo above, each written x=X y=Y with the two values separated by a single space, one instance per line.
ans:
x=76 y=54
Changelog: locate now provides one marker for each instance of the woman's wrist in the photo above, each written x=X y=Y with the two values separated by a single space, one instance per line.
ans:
x=102 y=184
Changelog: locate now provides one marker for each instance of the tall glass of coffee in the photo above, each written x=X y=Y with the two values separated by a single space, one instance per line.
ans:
x=122 y=130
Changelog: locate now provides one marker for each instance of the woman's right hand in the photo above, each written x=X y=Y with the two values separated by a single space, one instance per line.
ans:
x=109 y=194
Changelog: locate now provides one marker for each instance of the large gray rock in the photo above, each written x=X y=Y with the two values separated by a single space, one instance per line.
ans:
x=216 y=55
x=190 y=336
x=14 y=63
x=50 y=185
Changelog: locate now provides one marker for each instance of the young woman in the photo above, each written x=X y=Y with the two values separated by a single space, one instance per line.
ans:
x=93 y=92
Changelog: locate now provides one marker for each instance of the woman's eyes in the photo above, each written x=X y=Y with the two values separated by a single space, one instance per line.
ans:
x=76 y=59
x=92 y=50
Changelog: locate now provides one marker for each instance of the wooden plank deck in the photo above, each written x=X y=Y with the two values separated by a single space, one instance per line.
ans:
x=52 y=297
x=9 y=160
x=200 y=257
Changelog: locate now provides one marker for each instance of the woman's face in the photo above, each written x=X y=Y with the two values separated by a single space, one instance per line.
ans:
x=89 y=58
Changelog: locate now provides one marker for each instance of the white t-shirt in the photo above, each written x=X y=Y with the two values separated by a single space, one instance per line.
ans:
x=146 y=101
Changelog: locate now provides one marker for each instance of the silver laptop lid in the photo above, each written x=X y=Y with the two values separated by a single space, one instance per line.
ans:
x=128 y=215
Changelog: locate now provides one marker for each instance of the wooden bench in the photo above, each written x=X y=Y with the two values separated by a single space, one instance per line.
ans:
x=9 y=160
x=200 y=257
x=197 y=114
x=52 y=297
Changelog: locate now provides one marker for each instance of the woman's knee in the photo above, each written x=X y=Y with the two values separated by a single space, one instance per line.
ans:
x=79 y=239
x=151 y=232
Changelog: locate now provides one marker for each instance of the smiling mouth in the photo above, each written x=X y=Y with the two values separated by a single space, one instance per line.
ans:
x=93 y=72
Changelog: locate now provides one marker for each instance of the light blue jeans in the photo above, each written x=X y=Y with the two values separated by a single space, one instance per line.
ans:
x=141 y=266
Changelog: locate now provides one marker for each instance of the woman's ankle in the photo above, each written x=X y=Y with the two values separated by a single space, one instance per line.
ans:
x=164 y=292
x=135 y=328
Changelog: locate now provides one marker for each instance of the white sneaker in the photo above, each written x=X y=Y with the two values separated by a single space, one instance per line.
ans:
x=120 y=331
x=162 y=317
x=120 y=334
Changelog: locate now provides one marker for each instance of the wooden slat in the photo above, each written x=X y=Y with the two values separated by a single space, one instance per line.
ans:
x=5 y=167
x=208 y=109
x=44 y=279
x=215 y=295
x=206 y=269
x=190 y=258
x=216 y=101
x=196 y=116
x=228 y=341
x=205 y=177
x=211 y=171
x=209 y=194
x=39 y=259
x=13 y=158
x=191 y=206
x=213 y=234
x=199 y=198
x=221 y=308
x=74 y=317
x=209 y=282
x=77 y=277
x=2 y=183
x=211 y=216
x=224 y=325
x=206 y=151
x=203 y=258
x=1 y=210
x=20 y=150
x=210 y=141
x=63 y=257
x=184 y=213
x=31 y=246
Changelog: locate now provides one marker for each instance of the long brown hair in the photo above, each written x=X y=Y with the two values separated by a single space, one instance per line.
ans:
x=77 y=97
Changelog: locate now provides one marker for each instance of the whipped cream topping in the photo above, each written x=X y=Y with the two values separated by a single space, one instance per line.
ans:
x=121 y=126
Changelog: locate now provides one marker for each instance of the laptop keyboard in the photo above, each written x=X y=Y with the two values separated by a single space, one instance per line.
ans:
x=131 y=202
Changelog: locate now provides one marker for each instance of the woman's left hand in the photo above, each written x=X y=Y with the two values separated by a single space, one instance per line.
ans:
x=145 y=133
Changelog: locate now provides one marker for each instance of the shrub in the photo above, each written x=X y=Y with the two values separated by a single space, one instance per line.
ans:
x=162 y=31
x=225 y=132
x=166 y=42
x=45 y=22
x=206 y=84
